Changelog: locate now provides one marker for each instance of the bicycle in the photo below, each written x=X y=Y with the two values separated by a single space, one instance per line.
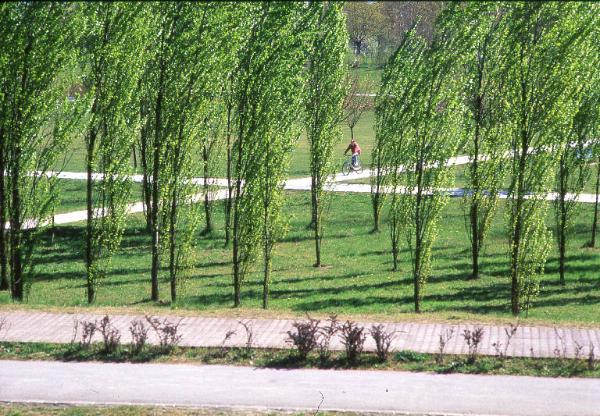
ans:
x=347 y=167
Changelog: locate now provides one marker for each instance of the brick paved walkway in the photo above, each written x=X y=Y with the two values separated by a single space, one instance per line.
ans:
x=272 y=333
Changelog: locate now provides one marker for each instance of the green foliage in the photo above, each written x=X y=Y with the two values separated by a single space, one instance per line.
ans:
x=273 y=55
x=112 y=52
x=325 y=91
x=37 y=121
x=418 y=136
x=482 y=32
x=544 y=41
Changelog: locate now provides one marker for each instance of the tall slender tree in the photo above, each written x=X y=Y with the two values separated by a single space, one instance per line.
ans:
x=4 y=37
x=184 y=78
x=275 y=48
x=422 y=146
x=483 y=34
x=543 y=40
x=37 y=65
x=582 y=114
x=325 y=91
x=113 y=44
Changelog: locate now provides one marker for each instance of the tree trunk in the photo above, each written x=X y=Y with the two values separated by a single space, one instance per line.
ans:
x=316 y=221
x=318 y=237
x=146 y=186
x=207 y=203
x=172 y=248
x=155 y=186
x=418 y=240
x=562 y=223
x=375 y=201
x=395 y=253
x=91 y=292
x=476 y=230
x=229 y=181
x=516 y=236
x=267 y=279
x=475 y=240
x=4 y=285
x=237 y=284
x=267 y=259
x=595 y=221
x=351 y=132
x=135 y=163
x=16 y=231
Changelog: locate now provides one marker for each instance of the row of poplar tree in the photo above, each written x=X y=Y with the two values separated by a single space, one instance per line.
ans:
x=172 y=80
x=516 y=86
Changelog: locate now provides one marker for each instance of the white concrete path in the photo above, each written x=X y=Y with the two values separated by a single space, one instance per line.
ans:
x=308 y=390
x=294 y=184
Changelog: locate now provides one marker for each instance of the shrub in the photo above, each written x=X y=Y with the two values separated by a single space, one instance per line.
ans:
x=502 y=349
x=353 y=339
x=139 y=336
x=445 y=337
x=304 y=336
x=410 y=356
x=591 y=359
x=223 y=350
x=383 y=341
x=326 y=333
x=473 y=339
x=167 y=332
x=111 y=336
x=88 y=330
x=249 y=336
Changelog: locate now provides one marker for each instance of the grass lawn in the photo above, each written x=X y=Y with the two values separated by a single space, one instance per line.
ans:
x=65 y=410
x=357 y=279
x=461 y=180
x=72 y=196
x=299 y=165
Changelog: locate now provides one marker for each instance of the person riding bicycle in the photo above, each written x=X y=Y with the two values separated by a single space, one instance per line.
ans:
x=355 y=149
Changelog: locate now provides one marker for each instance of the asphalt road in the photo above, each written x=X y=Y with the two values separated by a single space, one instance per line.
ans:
x=245 y=387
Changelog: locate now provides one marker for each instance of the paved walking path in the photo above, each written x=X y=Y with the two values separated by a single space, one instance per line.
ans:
x=259 y=389
x=293 y=184
x=537 y=341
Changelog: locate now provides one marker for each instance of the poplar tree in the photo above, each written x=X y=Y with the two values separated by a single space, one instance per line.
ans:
x=484 y=116
x=38 y=63
x=184 y=74
x=543 y=40
x=325 y=91
x=423 y=137
x=275 y=49
x=4 y=57
x=581 y=112
x=39 y=67
x=113 y=44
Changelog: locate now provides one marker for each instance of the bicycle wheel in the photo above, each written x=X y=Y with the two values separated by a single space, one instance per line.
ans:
x=346 y=168
x=359 y=168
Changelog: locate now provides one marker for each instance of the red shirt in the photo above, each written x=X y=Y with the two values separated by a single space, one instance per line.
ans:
x=354 y=147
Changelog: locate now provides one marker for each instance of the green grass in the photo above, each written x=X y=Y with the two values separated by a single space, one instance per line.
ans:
x=299 y=164
x=66 y=410
x=289 y=359
x=460 y=173
x=72 y=195
x=357 y=278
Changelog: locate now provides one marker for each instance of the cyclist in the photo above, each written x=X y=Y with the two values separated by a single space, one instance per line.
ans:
x=355 y=149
